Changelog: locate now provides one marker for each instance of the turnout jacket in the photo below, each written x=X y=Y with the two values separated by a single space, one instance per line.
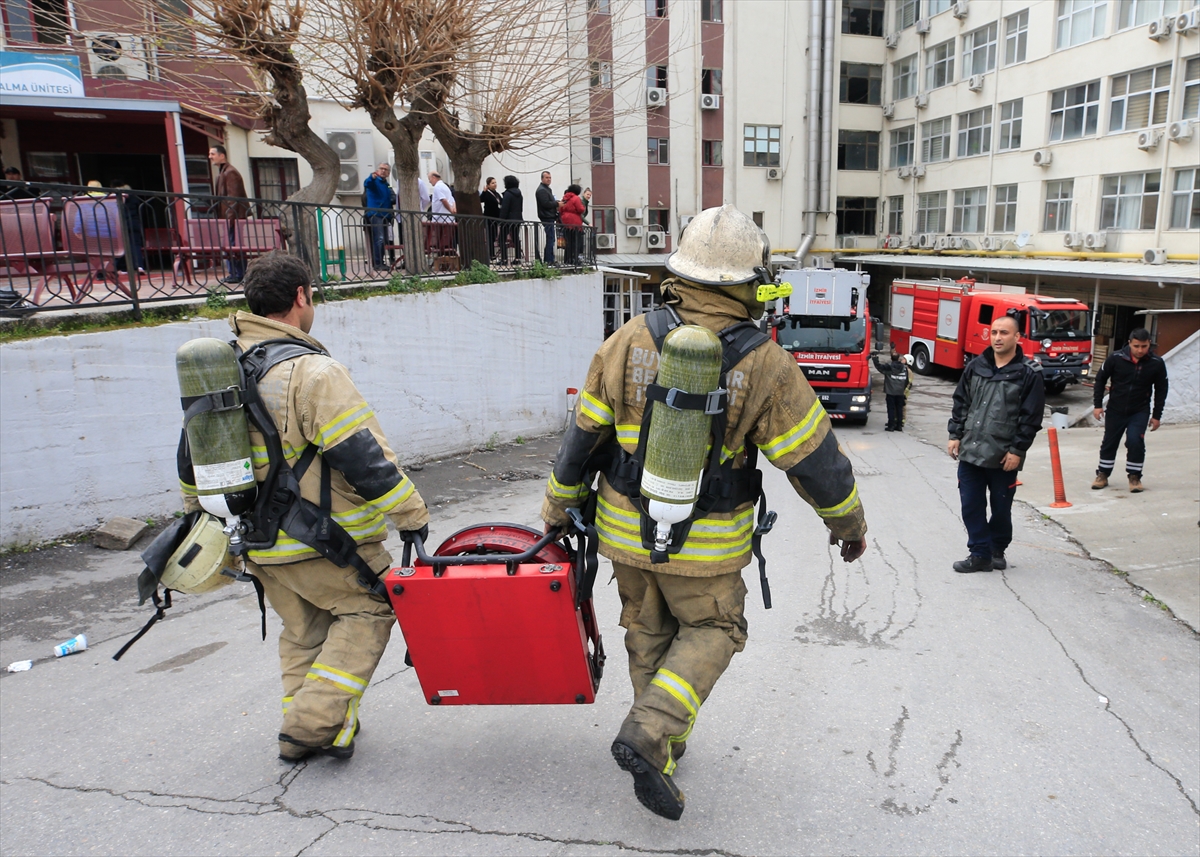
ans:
x=312 y=400
x=1131 y=384
x=895 y=376
x=770 y=406
x=997 y=410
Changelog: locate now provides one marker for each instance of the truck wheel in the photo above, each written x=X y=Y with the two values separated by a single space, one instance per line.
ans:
x=922 y=365
x=1053 y=388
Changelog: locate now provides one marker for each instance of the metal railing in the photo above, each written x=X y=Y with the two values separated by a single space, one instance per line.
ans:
x=65 y=246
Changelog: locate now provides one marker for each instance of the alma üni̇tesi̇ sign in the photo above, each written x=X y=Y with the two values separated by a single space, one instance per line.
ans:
x=57 y=76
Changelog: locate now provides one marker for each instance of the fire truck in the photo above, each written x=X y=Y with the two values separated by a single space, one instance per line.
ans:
x=946 y=323
x=827 y=326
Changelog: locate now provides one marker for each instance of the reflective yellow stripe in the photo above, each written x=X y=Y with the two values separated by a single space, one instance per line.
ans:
x=595 y=410
x=342 y=424
x=187 y=489
x=283 y=547
x=843 y=508
x=287 y=703
x=566 y=492
x=793 y=437
x=403 y=490
x=710 y=540
x=726 y=454
x=628 y=436
x=258 y=454
x=687 y=696
x=350 y=726
x=340 y=679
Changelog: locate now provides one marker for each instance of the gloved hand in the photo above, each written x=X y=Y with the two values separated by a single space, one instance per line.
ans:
x=850 y=550
x=409 y=535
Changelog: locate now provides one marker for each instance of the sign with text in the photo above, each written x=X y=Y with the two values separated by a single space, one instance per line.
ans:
x=53 y=75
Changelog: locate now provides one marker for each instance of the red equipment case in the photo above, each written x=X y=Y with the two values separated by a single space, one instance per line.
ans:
x=500 y=615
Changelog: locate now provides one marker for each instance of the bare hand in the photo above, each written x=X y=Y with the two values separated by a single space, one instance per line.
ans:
x=852 y=549
x=952 y=448
x=1011 y=461
x=1098 y=413
x=1154 y=424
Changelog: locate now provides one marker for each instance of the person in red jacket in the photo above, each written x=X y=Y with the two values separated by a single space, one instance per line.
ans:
x=570 y=212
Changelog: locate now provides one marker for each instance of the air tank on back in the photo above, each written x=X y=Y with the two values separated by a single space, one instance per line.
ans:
x=219 y=440
x=677 y=442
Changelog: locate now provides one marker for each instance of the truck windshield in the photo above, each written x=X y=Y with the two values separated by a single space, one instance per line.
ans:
x=1059 y=324
x=823 y=333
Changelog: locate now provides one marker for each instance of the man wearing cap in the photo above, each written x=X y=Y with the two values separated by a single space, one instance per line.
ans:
x=685 y=617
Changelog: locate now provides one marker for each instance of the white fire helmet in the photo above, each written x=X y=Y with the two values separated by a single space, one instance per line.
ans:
x=908 y=359
x=197 y=564
x=721 y=247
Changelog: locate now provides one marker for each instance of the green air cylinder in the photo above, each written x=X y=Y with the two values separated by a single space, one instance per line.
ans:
x=676 y=445
x=219 y=440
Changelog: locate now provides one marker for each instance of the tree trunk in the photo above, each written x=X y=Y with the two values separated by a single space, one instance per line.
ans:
x=405 y=137
x=467 y=153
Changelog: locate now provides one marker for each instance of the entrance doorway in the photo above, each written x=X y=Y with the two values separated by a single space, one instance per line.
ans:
x=140 y=172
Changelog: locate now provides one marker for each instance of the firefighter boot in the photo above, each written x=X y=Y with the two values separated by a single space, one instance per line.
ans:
x=1135 y=483
x=1101 y=481
x=654 y=790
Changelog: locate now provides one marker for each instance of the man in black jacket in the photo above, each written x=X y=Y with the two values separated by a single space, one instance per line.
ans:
x=1133 y=371
x=895 y=382
x=547 y=212
x=997 y=413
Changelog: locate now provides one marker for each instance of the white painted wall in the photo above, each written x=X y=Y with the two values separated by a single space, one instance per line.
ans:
x=89 y=423
x=1183 y=376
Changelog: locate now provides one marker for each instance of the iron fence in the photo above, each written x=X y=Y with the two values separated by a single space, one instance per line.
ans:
x=65 y=246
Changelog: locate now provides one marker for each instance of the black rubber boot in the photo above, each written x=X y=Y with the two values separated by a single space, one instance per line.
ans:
x=653 y=789
x=974 y=563
x=999 y=563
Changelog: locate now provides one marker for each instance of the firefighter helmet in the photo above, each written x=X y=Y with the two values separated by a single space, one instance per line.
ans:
x=721 y=247
x=908 y=359
x=196 y=565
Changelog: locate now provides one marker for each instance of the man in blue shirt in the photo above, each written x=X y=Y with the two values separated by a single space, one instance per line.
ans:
x=380 y=203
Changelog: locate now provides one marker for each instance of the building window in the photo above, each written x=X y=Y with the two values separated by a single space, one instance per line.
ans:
x=601 y=75
x=979 y=50
x=935 y=140
x=50 y=25
x=656 y=8
x=1010 y=125
x=901 y=146
x=274 y=178
x=1079 y=21
x=602 y=150
x=600 y=7
x=1005 y=215
x=1058 y=206
x=1131 y=13
x=757 y=217
x=863 y=17
x=170 y=24
x=858 y=150
x=970 y=209
x=713 y=154
x=1129 y=201
x=975 y=132
x=856 y=215
x=656 y=76
x=658 y=150
x=1139 y=99
x=1185 y=200
x=660 y=217
x=939 y=65
x=710 y=10
x=935 y=7
x=1016 y=36
x=906 y=13
x=710 y=81
x=861 y=83
x=904 y=78
x=1074 y=111
x=604 y=220
x=760 y=145
x=931 y=212
x=1191 y=90
x=895 y=209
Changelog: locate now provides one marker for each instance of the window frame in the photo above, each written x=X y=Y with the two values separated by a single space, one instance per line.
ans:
x=657 y=76
x=1129 y=12
x=1060 y=204
x=981 y=132
x=895 y=215
x=604 y=216
x=1016 y=34
x=656 y=9
x=712 y=81
x=1090 y=108
x=598 y=147
x=988 y=48
x=1004 y=208
x=870 y=150
x=928 y=138
x=771 y=159
x=599 y=7
x=658 y=151
x=660 y=217
x=970 y=210
x=600 y=74
x=944 y=62
x=907 y=13
x=873 y=79
x=910 y=78
x=1009 y=137
x=875 y=14
x=1066 y=14
x=1186 y=202
x=924 y=212
x=870 y=204
x=711 y=12
x=1191 y=89
x=1119 y=104
x=1147 y=209
x=709 y=148
x=901 y=152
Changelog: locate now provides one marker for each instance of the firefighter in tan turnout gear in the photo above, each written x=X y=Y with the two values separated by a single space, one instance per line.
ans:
x=684 y=617
x=334 y=628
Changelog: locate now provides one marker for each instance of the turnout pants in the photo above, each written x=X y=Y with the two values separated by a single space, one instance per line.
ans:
x=680 y=633
x=895 y=411
x=334 y=633
x=986 y=536
x=1133 y=426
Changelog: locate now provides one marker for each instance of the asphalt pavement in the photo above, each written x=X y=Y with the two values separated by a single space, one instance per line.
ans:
x=888 y=706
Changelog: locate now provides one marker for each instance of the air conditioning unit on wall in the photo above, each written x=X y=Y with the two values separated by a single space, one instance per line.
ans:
x=655 y=96
x=1042 y=158
x=632 y=231
x=684 y=220
x=891 y=41
x=606 y=241
x=889 y=110
x=117 y=56
x=1148 y=140
x=1187 y=22
x=1160 y=29
x=922 y=100
x=959 y=9
x=356 y=151
x=656 y=240
x=1073 y=240
x=709 y=102
x=975 y=82
x=923 y=26
x=1095 y=240
x=1155 y=256
x=1180 y=132
x=774 y=174
x=632 y=213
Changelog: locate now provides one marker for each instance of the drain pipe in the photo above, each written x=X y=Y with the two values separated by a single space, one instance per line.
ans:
x=812 y=177
x=827 y=25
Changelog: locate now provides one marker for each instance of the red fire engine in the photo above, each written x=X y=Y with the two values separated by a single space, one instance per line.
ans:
x=946 y=323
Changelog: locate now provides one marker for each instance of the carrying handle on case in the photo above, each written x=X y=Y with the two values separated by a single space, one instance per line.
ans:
x=511 y=559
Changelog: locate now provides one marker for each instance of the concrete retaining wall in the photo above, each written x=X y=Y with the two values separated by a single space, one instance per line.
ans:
x=89 y=423
x=1183 y=378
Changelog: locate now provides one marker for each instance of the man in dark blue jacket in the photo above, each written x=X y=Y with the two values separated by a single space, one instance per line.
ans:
x=380 y=202
x=1133 y=371
x=997 y=413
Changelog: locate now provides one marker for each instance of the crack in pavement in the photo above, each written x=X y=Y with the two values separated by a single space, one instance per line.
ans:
x=366 y=818
x=1107 y=703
